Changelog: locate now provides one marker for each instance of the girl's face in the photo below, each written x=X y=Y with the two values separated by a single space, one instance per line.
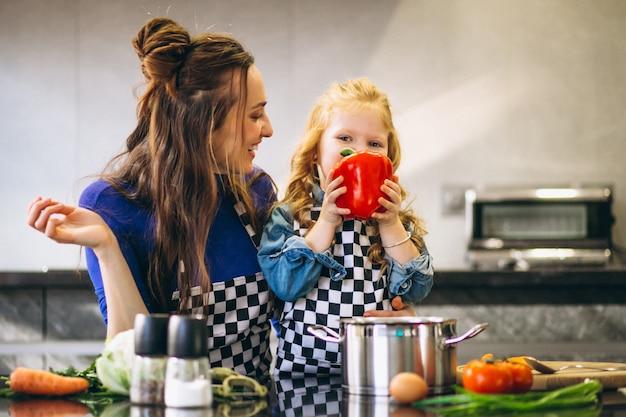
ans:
x=236 y=141
x=361 y=130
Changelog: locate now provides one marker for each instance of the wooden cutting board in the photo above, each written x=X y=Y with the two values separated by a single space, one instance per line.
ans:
x=571 y=376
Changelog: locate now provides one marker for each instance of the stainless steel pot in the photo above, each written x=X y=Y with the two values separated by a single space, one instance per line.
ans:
x=375 y=349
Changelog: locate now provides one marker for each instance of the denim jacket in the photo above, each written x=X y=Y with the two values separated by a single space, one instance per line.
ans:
x=292 y=269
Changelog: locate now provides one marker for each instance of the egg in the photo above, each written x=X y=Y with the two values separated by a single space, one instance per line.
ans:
x=407 y=387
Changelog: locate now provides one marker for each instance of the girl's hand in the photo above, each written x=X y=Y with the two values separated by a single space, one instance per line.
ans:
x=406 y=311
x=392 y=205
x=330 y=213
x=68 y=224
x=322 y=233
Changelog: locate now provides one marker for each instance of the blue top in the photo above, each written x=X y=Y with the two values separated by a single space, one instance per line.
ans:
x=292 y=268
x=230 y=252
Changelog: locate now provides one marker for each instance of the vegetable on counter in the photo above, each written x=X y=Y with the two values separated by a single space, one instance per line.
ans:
x=115 y=363
x=363 y=174
x=40 y=382
x=105 y=384
x=580 y=396
x=490 y=376
x=522 y=376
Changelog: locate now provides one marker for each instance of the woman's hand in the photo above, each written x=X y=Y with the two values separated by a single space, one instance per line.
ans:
x=79 y=226
x=68 y=224
x=392 y=204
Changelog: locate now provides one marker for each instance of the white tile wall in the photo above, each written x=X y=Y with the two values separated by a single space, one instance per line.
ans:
x=484 y=91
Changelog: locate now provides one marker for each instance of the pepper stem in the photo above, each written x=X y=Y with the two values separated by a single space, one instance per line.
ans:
x=346 y=151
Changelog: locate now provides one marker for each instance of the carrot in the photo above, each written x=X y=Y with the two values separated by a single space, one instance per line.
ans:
x=40 y=407
x=38 y=382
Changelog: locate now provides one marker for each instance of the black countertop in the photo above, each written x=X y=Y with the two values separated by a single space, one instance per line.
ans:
x=610 y=276
x=49 y=279
x=553 y=285
x=301 y=397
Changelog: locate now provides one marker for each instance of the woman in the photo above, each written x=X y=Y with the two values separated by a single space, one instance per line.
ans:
x=173 y=224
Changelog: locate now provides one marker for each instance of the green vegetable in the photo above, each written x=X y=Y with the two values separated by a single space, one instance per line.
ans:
x=115 y=363
x=584 y=394
x=89 y=374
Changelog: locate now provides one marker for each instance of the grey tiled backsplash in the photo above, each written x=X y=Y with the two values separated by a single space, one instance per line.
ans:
x=49 y=328
x=73 y=314
x=590 y=332
x=21 y=315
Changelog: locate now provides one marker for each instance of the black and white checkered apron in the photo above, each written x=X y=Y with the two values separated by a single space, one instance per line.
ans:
x=362 y=289
x=238 y=313
x=308 y=397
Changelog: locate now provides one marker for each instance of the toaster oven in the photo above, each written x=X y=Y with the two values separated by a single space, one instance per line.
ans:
x=522 y=228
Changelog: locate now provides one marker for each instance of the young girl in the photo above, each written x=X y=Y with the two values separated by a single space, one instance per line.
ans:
x=326 y=268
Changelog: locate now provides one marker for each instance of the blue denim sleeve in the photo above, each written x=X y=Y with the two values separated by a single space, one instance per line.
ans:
x=413 y=280
x=290 y=267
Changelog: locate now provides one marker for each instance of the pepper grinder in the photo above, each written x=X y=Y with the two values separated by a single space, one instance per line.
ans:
x=148 y=372
x=188 y=377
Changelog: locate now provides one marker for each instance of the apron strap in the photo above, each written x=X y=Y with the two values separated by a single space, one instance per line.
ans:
x=245 y=219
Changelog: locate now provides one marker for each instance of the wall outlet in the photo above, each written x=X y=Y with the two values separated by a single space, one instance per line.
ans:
x=453 y=199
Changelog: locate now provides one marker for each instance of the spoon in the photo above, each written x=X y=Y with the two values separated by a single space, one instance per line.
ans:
x=545 y=369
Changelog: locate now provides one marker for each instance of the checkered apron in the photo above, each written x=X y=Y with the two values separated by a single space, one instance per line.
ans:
x=362 y=289
x=308 y=397
x=238 y=313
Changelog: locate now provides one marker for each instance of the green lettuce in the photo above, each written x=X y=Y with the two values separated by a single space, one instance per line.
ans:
x=115 y=363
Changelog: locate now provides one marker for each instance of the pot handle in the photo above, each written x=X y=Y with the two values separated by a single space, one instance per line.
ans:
x=467 y=335
x=322 y=332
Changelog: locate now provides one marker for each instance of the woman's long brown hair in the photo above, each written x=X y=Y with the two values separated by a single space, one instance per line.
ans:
x=169 y=166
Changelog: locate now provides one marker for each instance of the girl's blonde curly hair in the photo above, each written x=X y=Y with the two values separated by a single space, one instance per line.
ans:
x=354 y=95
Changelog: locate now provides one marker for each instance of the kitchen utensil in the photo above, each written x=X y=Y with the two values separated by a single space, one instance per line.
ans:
x=545 y=369
x=375 y=349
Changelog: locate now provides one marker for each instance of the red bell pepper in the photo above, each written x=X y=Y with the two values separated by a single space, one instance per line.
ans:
x=363 y=174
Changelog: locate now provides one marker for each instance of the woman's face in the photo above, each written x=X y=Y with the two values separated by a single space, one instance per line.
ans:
x=237 y=140
x=361 y=130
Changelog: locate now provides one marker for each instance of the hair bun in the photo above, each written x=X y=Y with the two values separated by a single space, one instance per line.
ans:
x=162 y=46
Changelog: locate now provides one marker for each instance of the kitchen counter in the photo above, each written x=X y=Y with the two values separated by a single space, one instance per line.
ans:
x=574 y=285
x=610 y=277
x=309 y=397
x=574 y=313
x=49 y=279
x=550 y=313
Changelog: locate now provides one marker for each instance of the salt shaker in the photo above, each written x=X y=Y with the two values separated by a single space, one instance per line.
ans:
x=188 y=377
x=149 y=366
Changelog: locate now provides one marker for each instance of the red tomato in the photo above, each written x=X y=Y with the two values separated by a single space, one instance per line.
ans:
x=522 y=377
x=487 y=377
